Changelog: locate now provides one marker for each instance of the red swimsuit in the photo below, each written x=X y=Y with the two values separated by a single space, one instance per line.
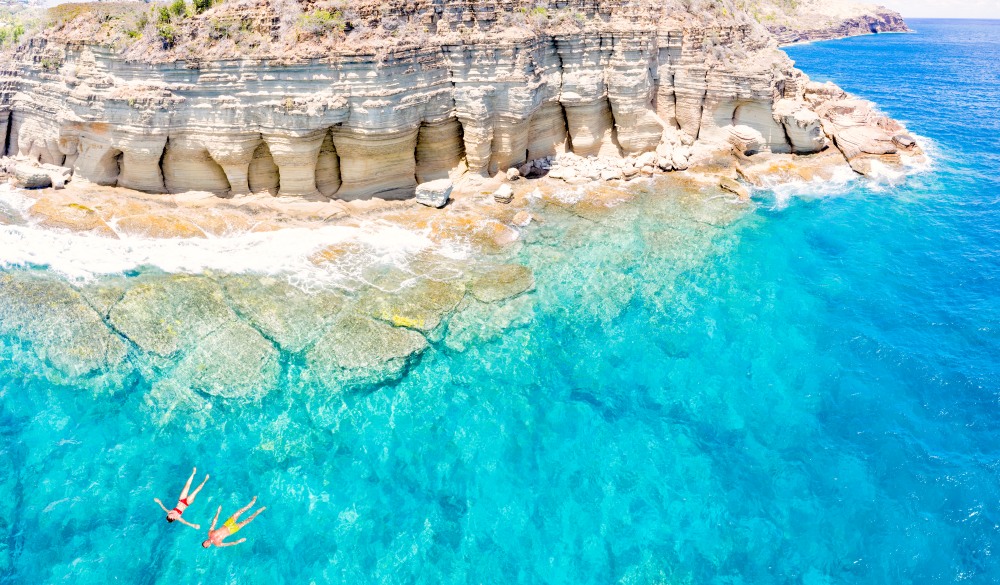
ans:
x=182 y=505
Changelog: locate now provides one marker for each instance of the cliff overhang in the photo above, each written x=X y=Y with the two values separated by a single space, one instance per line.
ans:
x=480 y=88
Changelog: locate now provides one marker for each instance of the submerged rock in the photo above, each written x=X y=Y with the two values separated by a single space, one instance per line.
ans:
x=286 y=315
x=421 y=305
x=163 y=315
x=61 y=327
x=172 y=403
x=358 y=351
x=233 y=362
x=104 y=294
x=478 y=322
x=187 y=321
x=502 y=282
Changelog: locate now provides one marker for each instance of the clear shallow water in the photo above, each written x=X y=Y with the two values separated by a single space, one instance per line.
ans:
x=805 y=392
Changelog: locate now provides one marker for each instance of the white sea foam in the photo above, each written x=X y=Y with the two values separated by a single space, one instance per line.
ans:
x=882 y=178
x=840 y=182
x=286 y=251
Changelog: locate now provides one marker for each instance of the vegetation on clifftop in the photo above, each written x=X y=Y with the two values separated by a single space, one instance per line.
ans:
x=296 y=29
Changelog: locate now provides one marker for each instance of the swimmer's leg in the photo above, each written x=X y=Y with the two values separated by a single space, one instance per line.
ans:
x=250 y=519
x=187 y=486
x=243 y=509
x=190 y=499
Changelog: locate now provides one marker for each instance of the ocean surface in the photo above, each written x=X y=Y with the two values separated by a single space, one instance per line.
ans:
x=803 y=391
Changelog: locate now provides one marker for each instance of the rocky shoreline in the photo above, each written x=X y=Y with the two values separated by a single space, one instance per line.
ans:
x=821 y=20
x=462 y=143
x=618 y=81
x=222 y=334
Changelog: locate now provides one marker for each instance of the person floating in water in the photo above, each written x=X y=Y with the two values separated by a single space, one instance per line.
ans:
x=185 y=501
x=230 y=526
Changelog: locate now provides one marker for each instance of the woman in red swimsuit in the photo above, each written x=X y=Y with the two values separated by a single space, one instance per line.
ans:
x=185 y=501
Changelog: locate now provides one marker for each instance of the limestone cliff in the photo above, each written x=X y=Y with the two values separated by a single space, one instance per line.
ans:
x=384 y=96
x=796 y=21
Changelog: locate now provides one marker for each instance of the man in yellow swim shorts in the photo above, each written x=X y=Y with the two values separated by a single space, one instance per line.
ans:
x=230 y=526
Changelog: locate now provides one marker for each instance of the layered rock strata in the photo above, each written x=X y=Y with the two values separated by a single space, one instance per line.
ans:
x=819 y=20
x=477 y=94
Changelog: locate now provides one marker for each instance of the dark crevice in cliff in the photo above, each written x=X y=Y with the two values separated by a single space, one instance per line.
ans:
x=701 y=108
x=788 y=139
x=263 y=175
x=119 y=161
x=159 y=165
x=6 y=134
x=461 y=141
x=614 y=128
x=565 y=126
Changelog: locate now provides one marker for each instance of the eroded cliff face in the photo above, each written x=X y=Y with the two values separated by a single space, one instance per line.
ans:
x=816 y=20
x=473 y=94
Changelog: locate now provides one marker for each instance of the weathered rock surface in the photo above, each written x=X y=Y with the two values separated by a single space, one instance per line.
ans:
x=358 y=351
x=59 y=323
x=863 y=134
x=158 y=226
x=502 y=282
x=73 y=216
x=421 y=305
x=31 y=177
x=434 y=193
x=817 y=20
x=483 y=89
x=505 y=194
x=288 y=316
x=735 y=188
x=187 y=320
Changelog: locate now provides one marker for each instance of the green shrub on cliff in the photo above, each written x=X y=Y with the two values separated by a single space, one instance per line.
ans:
x=202 y=5
x=167 y=33
x=319 y=22
x=10 y=33
x=178 y=8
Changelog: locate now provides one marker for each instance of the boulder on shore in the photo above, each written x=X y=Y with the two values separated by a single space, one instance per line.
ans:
x=27 y=176
x=434 y=193
x=504 y=194
x=734 y=187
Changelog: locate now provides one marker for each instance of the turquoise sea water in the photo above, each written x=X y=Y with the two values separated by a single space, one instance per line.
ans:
x=802 y=392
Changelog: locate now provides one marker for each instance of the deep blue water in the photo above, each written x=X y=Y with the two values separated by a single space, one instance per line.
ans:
x=803 y=393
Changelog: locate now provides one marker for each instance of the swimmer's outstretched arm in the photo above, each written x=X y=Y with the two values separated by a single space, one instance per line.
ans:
x=183 y=521
x=242 y=540
x=157 y=500
x=216 y=519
